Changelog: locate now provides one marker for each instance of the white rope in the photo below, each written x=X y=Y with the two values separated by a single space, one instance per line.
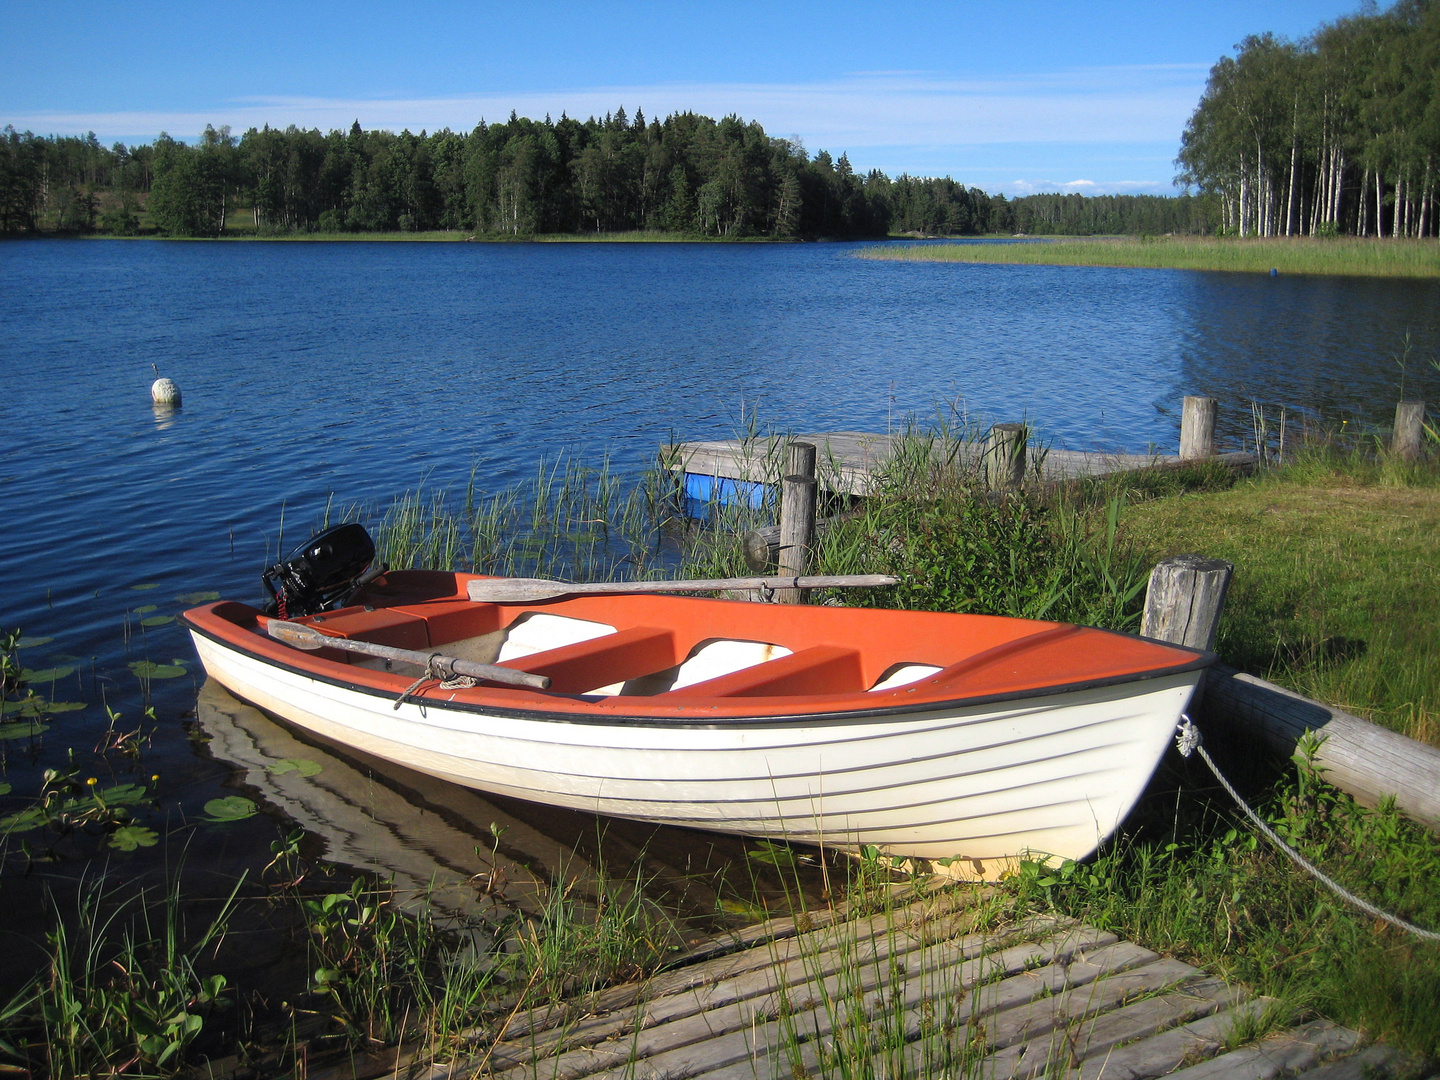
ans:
x=1187 y=739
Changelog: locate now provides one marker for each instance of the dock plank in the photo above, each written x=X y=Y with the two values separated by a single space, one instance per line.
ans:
x=847 y=461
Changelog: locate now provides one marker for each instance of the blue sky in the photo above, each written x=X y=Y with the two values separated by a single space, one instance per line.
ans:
x=1013 y=97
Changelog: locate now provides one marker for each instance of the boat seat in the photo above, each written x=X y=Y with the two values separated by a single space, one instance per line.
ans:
x=385 y=626
x=613 y=658
x=820 y=669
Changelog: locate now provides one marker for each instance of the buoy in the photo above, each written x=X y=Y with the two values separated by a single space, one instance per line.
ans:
x=164 y=392
x=1274 y=272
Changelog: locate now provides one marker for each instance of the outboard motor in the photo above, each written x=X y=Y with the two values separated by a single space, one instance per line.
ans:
x=329 y=567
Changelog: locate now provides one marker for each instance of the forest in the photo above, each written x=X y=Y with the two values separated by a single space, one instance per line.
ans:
x=1339 y=133
x=686 y=175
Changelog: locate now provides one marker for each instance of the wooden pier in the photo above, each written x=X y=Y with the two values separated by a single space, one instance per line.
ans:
x=848 y=461
x=934 y=987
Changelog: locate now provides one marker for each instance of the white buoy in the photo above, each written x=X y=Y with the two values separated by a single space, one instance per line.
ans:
x=164 y=392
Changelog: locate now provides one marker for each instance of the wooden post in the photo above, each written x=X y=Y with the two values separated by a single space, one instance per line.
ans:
x=1183 y=602
x=797 y=517
x=1409 y=419
x=1005 y=456
x=1197 y=428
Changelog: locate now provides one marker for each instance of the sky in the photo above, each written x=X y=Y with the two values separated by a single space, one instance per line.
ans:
x=1016 y=97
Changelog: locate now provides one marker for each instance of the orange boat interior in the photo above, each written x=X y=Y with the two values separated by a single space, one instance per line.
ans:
x=665 y=653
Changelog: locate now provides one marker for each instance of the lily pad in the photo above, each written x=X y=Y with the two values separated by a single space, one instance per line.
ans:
x=5 y=789
x=30 y=643
x=304 y=766
x=148 y=670
x=132 y=837
x=30 y=818
x=124 y=795
x=146 y=587
x=145 y=609
x=38 y=706
x=230 y=808
x=49 y=674
x=158 y=620
x=197 y=597
x=22 y=730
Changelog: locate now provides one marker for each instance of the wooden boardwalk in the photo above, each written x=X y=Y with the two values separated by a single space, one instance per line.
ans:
x=848 y=459
x=920 y=991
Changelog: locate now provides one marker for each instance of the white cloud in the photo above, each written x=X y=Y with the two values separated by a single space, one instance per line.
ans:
x=1137 y=104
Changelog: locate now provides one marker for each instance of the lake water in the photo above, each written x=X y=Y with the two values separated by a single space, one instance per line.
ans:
x=357 y=370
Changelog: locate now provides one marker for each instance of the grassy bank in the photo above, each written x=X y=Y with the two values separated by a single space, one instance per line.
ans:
x=1336 y=591
x=1290 y=255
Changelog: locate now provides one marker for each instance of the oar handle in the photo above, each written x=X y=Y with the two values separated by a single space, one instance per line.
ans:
x=308 y=638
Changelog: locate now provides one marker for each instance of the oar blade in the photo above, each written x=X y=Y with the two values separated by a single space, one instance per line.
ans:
x=515 y=590
x=295 y=635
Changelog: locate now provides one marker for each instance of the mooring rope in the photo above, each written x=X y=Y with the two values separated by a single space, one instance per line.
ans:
x=1187 y=740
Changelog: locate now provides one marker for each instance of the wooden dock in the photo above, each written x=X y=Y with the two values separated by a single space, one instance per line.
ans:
x=847 y=461
x=935 y=987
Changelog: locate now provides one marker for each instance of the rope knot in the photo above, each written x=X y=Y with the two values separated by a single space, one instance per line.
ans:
x=1187 y=736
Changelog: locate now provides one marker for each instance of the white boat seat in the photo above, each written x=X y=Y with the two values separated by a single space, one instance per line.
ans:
x=617 y=657
x=820 y=669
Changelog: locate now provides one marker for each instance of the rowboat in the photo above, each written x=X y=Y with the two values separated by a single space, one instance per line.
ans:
x=966 y=738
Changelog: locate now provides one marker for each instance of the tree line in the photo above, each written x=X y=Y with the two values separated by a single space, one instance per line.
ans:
x=687 y=174
x=1339 y=133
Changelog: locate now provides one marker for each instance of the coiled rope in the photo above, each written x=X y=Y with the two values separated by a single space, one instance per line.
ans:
x=1187 y=740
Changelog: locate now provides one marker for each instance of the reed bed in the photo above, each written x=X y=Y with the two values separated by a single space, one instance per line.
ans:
x=1362 y=256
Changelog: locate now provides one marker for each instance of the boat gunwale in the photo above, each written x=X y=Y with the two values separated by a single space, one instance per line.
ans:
x=689 y=714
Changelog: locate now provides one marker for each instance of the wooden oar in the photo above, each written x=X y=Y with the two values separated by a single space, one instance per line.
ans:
x=308 y=638
x=529 y=590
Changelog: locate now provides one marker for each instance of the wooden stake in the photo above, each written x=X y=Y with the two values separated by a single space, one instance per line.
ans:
x=1409 y=420
x=797 y=517
x=1197 y=428
x=1184 y=600
x=1006 y=456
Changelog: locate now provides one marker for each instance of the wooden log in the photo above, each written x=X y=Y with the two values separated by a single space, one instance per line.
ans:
x=1006 y=456
x=762 y=546
x=1409 y=423
x=1197 y=428
x=1369 y=762
x=1183 y=602
x=797 y=517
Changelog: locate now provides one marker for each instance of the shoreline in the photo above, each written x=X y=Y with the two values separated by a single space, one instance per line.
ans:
x=1363 y=256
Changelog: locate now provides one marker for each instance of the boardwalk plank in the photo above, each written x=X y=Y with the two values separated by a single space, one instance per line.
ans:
x=908 y=1019
x=1379 y=1062
x=1288 y=1052
x=1167 y=1051
x=753 y=1028
x=1073 y=1025
x=741 y=951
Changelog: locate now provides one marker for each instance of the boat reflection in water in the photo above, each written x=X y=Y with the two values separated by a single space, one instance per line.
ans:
x=484 y=858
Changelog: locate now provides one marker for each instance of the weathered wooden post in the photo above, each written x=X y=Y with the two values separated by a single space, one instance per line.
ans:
x=1183 y=602
x=1409 y=421
x=797 y=517
x=1197 y=428
x=1006 y=456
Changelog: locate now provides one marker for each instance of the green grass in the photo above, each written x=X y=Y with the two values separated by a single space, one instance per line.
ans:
x=1290 y=255
x=1336 y=592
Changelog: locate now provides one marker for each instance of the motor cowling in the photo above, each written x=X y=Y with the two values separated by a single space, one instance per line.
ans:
x=327 y=568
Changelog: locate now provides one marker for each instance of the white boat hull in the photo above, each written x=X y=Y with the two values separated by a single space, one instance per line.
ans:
x=1045 y=776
